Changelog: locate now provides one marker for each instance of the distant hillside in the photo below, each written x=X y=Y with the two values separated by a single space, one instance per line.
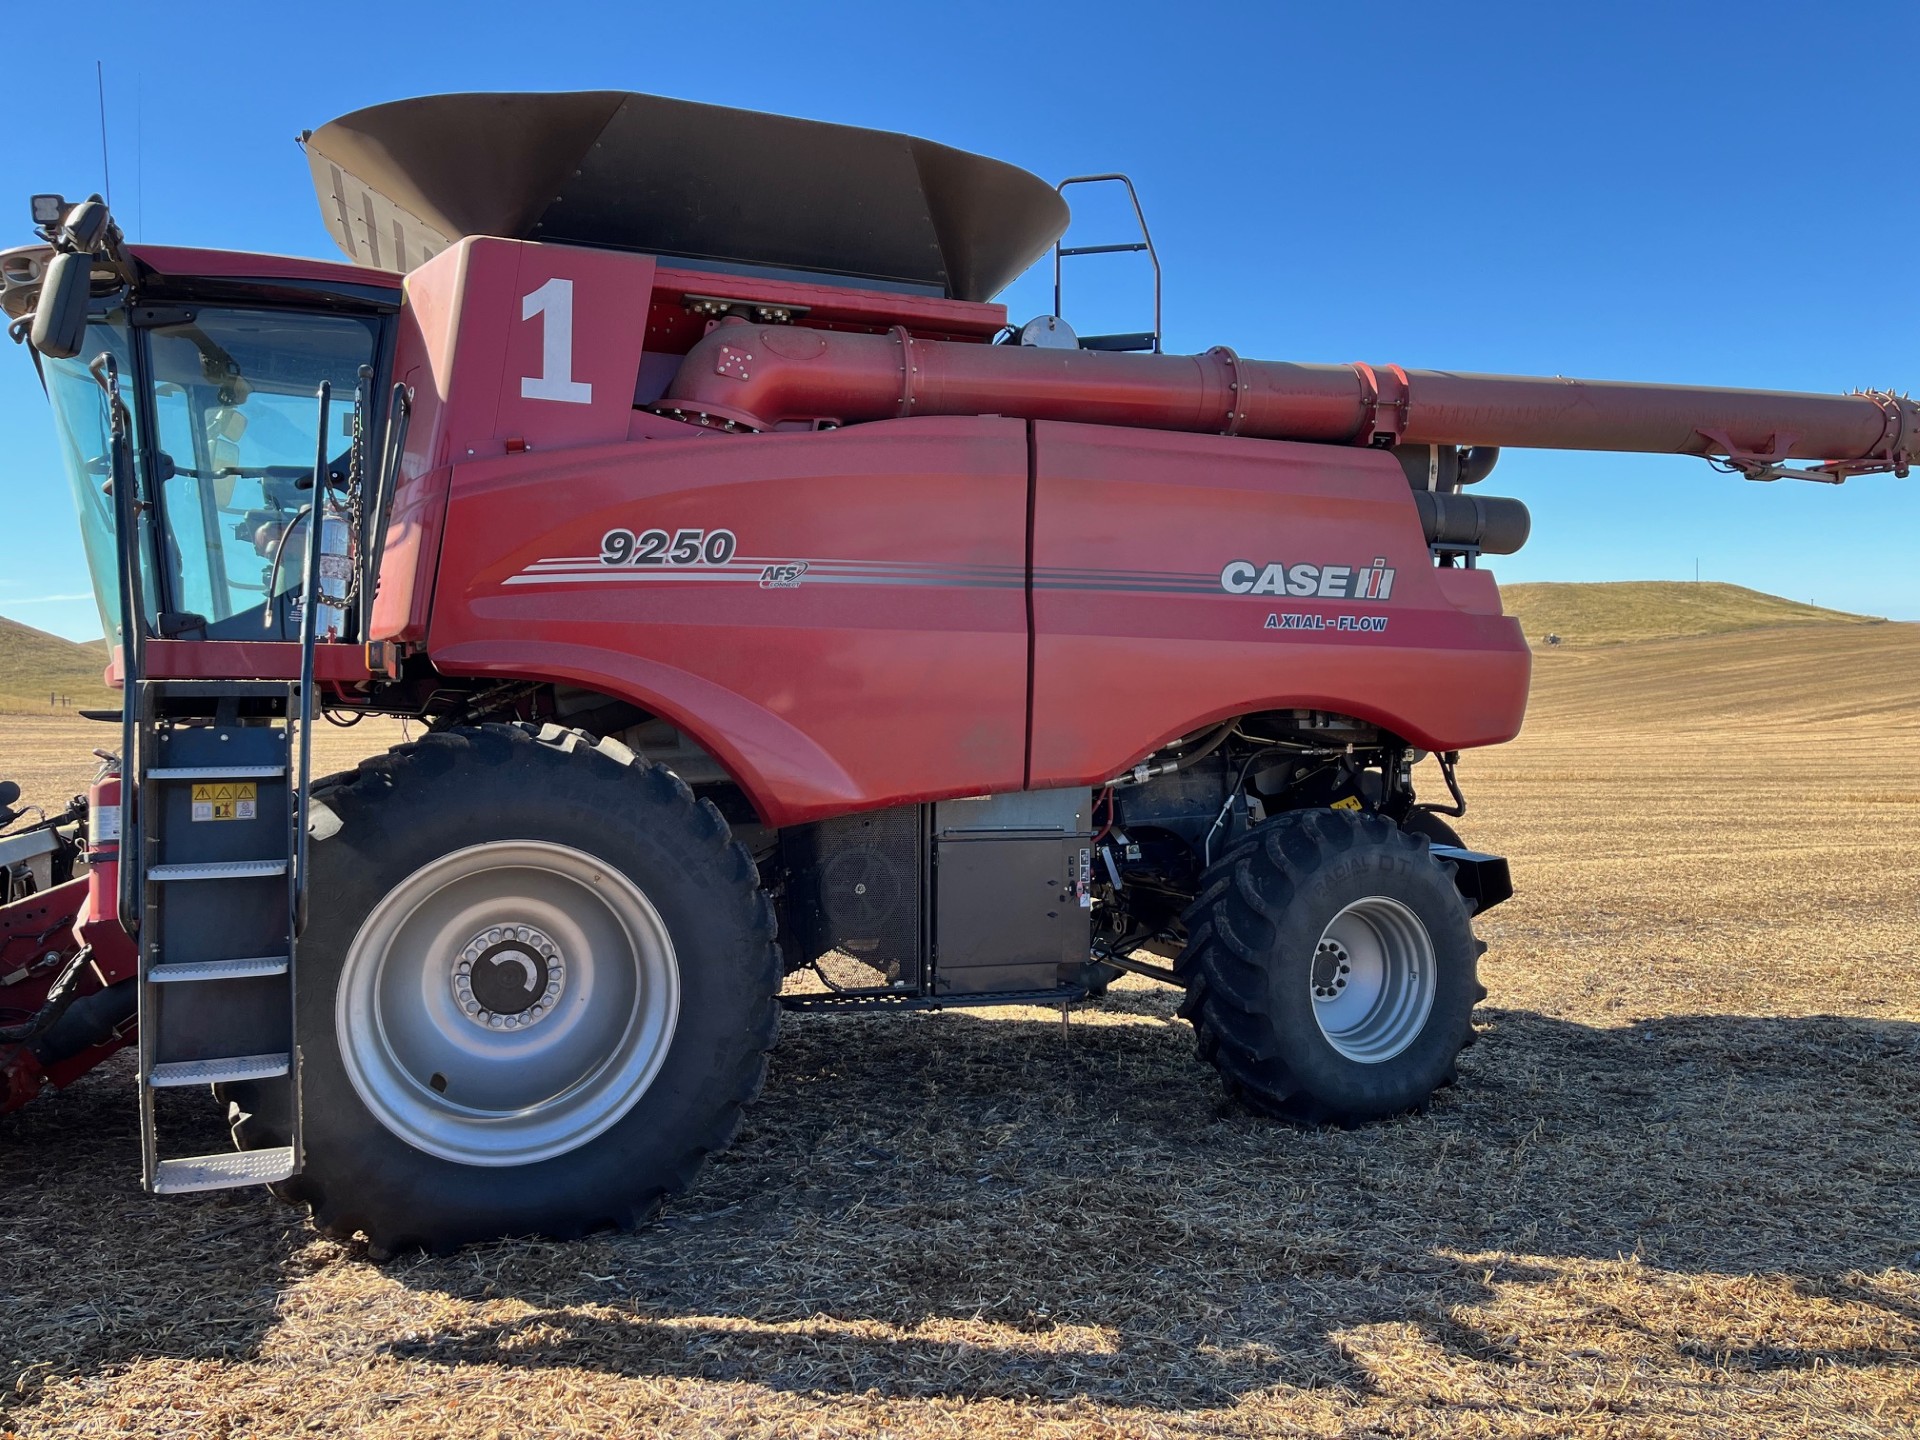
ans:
x=34 y=665
x=1606 y=614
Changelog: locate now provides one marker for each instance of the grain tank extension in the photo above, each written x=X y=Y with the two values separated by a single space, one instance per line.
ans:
x=768 y=604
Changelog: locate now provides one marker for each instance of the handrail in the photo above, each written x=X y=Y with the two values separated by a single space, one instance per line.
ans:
x=309 y=603
x=393 y=447
x=1145 y=242
x=133 y=631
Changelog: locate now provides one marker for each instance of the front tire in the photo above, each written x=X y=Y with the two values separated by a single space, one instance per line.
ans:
x=535 y=991
x=1437 y=830
x=1331 y=968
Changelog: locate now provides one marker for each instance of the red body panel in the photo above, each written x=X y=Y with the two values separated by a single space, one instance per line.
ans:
x=244 y=660
x=907 y=608
x=1138 y=642
x=474 y=346
x=42 y=932
x=242 y=265
x=866 y=643
x=892 y=667
x=479 y=367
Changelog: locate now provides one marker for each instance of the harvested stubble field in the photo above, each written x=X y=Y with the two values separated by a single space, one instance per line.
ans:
x=1676 y=1191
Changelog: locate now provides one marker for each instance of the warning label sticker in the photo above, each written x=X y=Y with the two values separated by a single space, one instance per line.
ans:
x=228 y=800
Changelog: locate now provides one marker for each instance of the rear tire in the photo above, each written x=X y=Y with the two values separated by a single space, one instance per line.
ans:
x=536 y=989
x=1331 y=968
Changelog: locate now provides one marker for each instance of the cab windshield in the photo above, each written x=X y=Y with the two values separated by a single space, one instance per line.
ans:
x=80 y=420
x=234 y=415
x=226 y=437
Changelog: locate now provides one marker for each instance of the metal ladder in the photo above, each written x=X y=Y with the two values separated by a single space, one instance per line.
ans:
x=218 y=893
x=214 y=889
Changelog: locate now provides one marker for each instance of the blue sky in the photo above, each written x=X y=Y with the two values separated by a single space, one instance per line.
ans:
x=1703 y=193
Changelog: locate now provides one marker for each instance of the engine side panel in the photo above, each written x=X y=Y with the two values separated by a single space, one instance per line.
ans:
x=860 y=639
x=1143 y=632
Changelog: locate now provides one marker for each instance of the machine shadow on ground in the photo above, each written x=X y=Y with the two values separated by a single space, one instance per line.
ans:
x=972 y=1205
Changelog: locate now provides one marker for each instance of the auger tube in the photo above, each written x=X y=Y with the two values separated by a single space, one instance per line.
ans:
x=759 y=376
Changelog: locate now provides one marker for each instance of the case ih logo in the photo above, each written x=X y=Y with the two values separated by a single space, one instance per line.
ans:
x=1322 y=582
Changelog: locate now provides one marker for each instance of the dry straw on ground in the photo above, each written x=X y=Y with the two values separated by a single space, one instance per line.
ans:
x=1676 y=1191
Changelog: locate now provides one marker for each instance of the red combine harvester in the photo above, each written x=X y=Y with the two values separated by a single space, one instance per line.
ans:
x=763 y=595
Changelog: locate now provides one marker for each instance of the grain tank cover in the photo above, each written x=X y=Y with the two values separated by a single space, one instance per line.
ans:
x=400 y=182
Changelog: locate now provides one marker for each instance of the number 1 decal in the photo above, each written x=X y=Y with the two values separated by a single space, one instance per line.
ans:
x=554 y=301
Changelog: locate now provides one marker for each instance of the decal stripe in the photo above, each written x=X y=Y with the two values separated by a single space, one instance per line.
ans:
x=749 y=570
x=687 y=574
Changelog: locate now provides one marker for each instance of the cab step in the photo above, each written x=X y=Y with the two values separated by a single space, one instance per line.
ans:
x=218 y=870
x=189 y=1173
x=242 y=969
x=217 y=772
x=222 y=1071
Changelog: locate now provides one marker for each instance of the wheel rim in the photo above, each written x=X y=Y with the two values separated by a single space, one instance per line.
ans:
x=501 y=1079
x=1373 y=979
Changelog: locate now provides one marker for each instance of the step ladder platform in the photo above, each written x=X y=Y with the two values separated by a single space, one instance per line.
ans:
x=221 y=1071
x=218 y=870
x=220 y=689
x=217 y=969
x=223 y=1172
x=216 y=772
x=241 y=969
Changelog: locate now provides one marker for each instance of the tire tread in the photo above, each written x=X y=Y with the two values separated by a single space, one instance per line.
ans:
x=677 y=811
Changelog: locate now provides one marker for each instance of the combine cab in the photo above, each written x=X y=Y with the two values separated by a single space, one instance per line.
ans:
x=762 y=594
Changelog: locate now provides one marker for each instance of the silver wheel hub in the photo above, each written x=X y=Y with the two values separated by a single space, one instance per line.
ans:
x=1373 y=980
x=1331 y=967
x=509 y=977
x=507 y=1003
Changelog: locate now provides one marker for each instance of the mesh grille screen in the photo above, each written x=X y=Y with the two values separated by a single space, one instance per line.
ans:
x=858 y=880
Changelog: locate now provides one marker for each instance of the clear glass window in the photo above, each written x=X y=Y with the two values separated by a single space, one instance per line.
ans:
x=81 y=421
x=235 y=411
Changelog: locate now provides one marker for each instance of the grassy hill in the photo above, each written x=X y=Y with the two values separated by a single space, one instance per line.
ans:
x=34 y=664
x=1607 y=614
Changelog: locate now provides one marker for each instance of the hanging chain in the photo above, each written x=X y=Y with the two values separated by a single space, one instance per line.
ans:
x=356 y=484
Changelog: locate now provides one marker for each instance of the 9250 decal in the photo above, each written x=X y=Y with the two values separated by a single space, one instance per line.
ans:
x=657 y=547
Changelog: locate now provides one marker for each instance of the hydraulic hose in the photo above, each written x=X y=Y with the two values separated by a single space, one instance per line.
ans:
x=59 y=996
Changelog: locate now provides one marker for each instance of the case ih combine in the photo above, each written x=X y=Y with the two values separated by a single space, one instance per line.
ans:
x=763 y=594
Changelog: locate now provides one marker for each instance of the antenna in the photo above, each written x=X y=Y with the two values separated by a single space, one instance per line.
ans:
x=106 y=175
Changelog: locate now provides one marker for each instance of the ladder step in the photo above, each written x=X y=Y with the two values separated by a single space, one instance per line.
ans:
x=218 y=1072
x=223 y=689
x=218 y=870
x=222 y=1172
x=244 y=969
x=217 y=772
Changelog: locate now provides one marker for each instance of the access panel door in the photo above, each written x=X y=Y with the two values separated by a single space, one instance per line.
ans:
x=840 y=617
x=1182 y=579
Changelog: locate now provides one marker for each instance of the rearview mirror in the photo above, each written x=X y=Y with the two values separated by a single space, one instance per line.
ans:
x=60 y=319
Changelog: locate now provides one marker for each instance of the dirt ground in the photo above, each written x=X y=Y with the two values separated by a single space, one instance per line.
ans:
x=1676 y=1191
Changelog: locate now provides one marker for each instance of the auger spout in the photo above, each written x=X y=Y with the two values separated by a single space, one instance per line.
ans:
x=759 y=376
